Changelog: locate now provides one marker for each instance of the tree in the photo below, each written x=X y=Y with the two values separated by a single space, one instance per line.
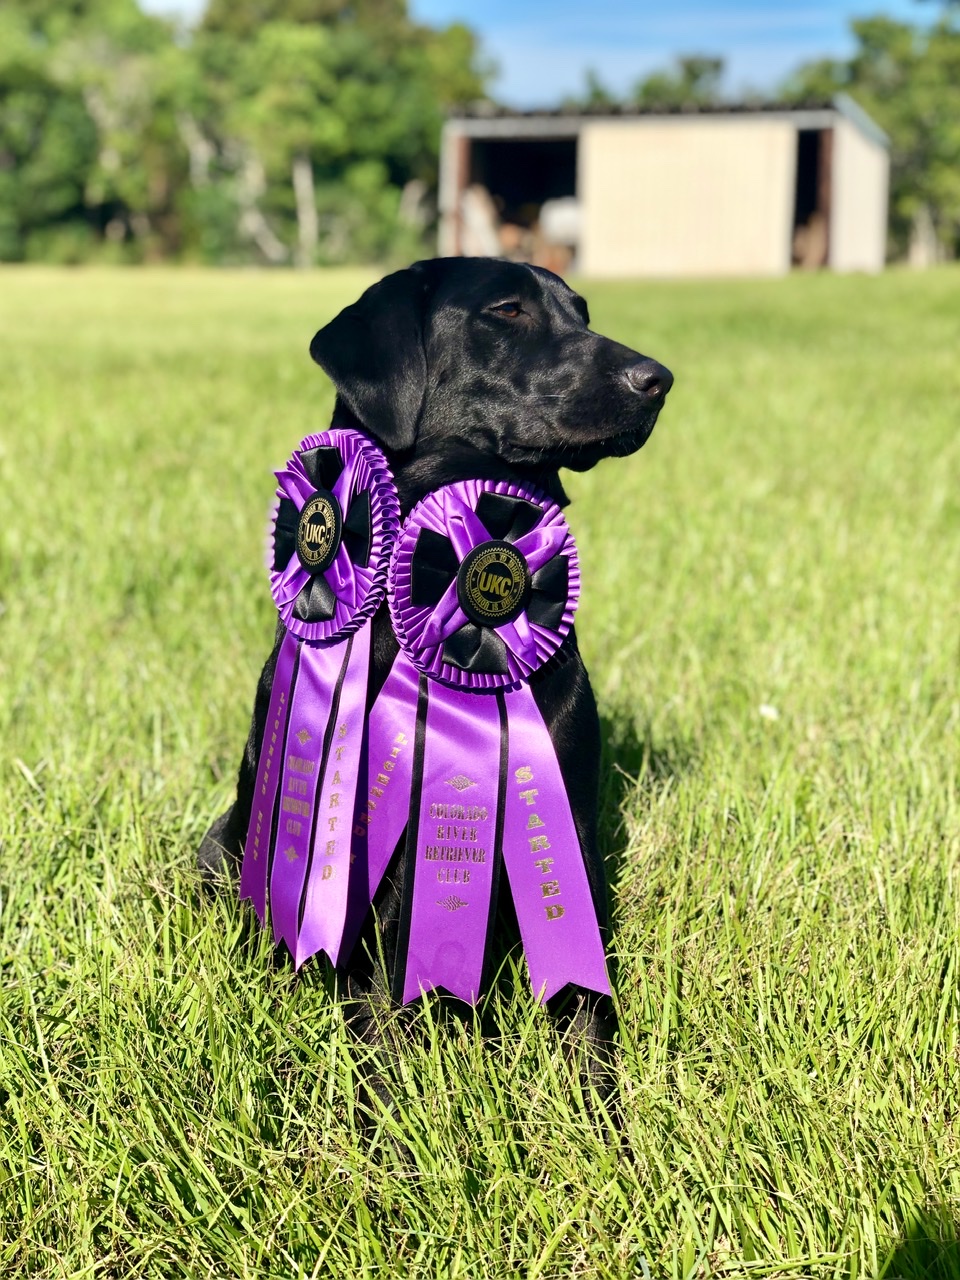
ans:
x=325 y=125
x=596 y=95
x=694 y=81
x=84 y=95
x=908 y=80
x=48 y=143
x=242 y=19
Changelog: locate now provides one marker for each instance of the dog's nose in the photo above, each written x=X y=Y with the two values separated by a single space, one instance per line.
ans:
x=649 y=379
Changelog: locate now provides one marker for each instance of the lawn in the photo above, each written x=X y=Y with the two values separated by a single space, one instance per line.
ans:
x=771 y=617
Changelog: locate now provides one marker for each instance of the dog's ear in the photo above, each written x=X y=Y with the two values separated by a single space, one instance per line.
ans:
x=373 y=350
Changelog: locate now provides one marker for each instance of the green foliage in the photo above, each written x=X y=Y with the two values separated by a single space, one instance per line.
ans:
x=770 y=618
x=693 y=82
x=244 y=18
x=255 y=136
x=908 y=79
x=47 y=142
x=595 y=96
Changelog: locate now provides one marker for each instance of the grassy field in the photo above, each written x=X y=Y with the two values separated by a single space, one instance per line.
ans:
x=771 y=616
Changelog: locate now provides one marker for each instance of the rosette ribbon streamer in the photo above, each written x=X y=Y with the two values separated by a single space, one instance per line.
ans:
x=332 y=533
x=483 y=587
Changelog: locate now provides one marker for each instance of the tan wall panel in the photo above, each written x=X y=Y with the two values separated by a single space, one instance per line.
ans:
x=687 y=198
x=858 y=207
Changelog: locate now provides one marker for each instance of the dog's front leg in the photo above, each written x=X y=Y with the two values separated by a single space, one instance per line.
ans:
x=222 y=847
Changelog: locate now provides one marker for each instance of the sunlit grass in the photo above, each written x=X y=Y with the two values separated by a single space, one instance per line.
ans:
x=771 y=617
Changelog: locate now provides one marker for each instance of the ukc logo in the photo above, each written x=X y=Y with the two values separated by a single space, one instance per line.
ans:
x=493 y=585
x=318 y=533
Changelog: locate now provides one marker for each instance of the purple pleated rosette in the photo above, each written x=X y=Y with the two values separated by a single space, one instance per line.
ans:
x=331 y=535
x=483 y=587
x=483 y=584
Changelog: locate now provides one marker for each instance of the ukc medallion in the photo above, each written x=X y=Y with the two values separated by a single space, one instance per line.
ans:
x=318 y=532
x=493 y=584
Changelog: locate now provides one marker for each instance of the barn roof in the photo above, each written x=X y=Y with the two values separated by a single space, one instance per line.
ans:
x=488 y=120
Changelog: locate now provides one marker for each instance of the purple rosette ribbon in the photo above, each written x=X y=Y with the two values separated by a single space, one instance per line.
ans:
x=331 y=536
x=483 y=587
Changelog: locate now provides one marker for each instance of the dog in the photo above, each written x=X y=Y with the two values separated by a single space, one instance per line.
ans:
x=461 y=369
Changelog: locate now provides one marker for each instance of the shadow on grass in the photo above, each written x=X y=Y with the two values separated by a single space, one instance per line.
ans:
x=929 y=1250
x=634 y=767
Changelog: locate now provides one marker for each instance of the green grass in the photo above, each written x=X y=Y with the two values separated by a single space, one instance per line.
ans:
x=771 y=613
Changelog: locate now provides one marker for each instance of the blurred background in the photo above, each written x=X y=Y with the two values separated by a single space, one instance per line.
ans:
x=615 y=139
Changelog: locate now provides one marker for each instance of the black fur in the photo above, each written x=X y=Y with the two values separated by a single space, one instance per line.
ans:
x=477 y=369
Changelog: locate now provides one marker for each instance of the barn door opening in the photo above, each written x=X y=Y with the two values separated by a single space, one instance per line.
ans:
x=519 y=200
x=811 y=209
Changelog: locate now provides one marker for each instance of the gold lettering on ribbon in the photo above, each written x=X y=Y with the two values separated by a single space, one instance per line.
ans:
x=460 y=812
x=382 y=781
x=331 y=849
x=297 y=764
x=548 y=888
x=452 y=833
x=453 y=875
x=268 y=763
x=457 y=842
x=450 y=853
x=327 y=873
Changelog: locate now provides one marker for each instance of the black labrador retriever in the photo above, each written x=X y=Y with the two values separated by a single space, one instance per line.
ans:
x=472 y=368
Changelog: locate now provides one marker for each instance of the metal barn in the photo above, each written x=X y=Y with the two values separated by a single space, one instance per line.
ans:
x=723 y=191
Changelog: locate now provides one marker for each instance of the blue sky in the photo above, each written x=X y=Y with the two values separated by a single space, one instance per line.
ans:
x=543 y=47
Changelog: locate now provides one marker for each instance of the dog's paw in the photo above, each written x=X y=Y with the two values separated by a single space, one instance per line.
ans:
x=218 y=855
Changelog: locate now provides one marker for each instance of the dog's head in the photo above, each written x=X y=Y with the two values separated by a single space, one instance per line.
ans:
x=495 y=356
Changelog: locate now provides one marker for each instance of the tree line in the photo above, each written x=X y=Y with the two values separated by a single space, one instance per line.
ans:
x=274 y=131
x=307 y=131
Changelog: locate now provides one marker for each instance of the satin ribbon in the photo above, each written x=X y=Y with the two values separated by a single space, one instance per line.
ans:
x=486 y=782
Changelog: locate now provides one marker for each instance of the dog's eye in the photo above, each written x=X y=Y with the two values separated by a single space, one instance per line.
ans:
x=510 y=310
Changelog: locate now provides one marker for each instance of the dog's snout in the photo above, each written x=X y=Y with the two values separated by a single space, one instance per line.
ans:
x=649 y=379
